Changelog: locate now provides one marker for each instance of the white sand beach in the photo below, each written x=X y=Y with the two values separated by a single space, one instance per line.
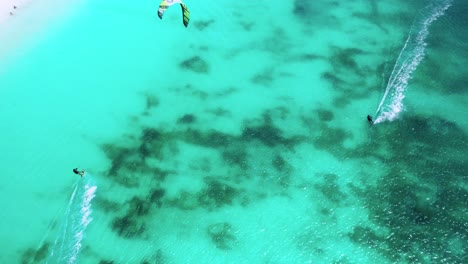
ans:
x=10 y=8
x=23 y=22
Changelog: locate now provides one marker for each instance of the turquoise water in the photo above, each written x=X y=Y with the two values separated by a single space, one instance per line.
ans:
x=240 y=139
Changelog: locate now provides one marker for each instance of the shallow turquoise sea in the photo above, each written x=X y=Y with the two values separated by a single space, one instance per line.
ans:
x=240 y=139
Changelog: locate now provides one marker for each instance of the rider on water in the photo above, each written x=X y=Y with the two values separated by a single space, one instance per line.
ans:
x=369 y=118
x=81 y=173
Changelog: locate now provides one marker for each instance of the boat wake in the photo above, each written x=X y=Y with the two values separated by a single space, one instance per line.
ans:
x=77 y=216
x=408 y=60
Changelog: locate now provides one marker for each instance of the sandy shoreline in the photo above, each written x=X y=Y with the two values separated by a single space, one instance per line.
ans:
x=8 y=10
x=23 y=28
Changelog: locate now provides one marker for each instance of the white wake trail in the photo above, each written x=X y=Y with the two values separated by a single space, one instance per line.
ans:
x=77 y=217
x=408 y=60
x=85 y=213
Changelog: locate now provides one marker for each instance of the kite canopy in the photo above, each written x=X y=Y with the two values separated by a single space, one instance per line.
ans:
x=165 y=4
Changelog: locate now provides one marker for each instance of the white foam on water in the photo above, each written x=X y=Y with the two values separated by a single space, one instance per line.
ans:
x=77 y=217
x=408 y=60
x=65 y=224
x=85 y=213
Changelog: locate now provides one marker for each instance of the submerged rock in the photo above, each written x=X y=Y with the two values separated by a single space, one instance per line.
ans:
x=266 y=133
x=221 y=235
x=186 y=119
x=36 y=256
x=127 y=227
x=217 y=194
x=325 y=115
x=196 y=64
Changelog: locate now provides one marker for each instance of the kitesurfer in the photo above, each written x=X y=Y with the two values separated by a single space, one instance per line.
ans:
x=165 y=4
x=81 y=173
x=369 y=118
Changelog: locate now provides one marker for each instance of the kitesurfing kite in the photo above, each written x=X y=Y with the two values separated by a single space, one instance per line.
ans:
x=165 y=4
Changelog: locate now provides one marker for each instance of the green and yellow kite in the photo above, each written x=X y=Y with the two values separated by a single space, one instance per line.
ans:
x=165 y=4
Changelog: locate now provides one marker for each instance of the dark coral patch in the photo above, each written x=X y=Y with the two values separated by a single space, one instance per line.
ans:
x=333 y=79
x=421 y=198
x=160 y=174
x=212 y=139
x=156 y=195
x=127 y=227
x=156 y=258
x=345 y=58
x=138 y=206
x=308 y=57
x=217 y=194
x=184 y=201
x=125 y=161
x=283 y=169
x=263 y=78
x=279 y=163
x=106 y=205
x=195 y=64
x=36 y=256
x=131 y=224
x=219 y=112
x=144 y=150
x=366 y=236
x=151 y=144
x=325 y=115
x=222 y=236
x=410 y=222
x=236 y=156
x=267 y=134
x=150 y=135
x=117 y=156
x=151 y=101
x=202 y=24
x=421 y=135
x=348 y=77
x=105 y=261
x=247 y=26
x=330 y=189
x=332 y=139
x=123 y=167
x=303 y=9
x=186 y=119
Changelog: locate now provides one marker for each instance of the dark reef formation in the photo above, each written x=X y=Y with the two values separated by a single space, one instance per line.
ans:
x=195 y=64
x=349 y=78
x=217 y=194
x=142 y=155
x=330 y=190
x=421 y=200
x=157 y=258
x=325 y=115
x=104 y=261
x=417 y=204
x=186 y=119
x=419 y=197
x=132 y=223
x=222 y=235
x=203 y=24
x=36 y=256
x=128 y=226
